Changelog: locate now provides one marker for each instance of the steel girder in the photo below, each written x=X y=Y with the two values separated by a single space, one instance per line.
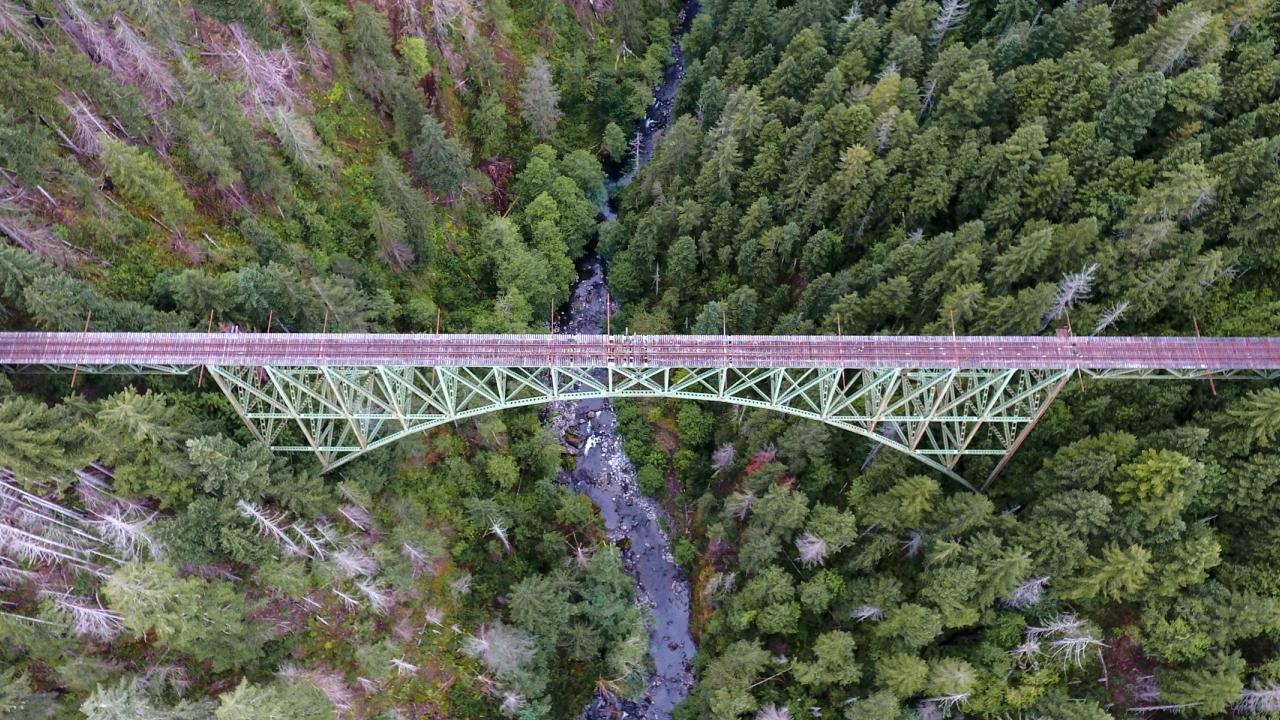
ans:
x=935 y=415
x=113 y=369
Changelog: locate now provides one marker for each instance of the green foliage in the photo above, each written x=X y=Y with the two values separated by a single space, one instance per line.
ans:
x=141 y=179
x=1261 y=412
x=18 y=701
x=35 y=442
x=413 y=50
x=834 y=663
x=260 y=176
x=539 y=99
x=902 y=674
x=489 y=125
x=1157 y=485
x=129 y=701
x=249 y=14
x=206 y=620
x=1208 y=689
x=651 y=480
x=1120 y=574
x=277 y=701
x=951 y=676
x=615 y=142
x=875 y=170
x=439 y=160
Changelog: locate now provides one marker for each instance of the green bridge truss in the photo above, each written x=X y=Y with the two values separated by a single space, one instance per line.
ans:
x=937 y=416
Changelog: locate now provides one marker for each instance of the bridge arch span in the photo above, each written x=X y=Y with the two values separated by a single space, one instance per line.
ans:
x=936 y=416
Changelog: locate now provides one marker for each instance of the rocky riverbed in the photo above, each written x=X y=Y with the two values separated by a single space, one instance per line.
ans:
x=605 y=474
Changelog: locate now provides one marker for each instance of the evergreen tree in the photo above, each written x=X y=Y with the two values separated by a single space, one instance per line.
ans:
x=539 y=99
x=144 y=181
x=438 y=160
x=207 y=620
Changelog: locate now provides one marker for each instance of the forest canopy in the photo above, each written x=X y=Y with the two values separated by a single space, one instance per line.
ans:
x=925 y=167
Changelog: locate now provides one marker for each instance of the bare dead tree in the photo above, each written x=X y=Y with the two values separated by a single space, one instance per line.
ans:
x=1177 y=49
x=357 y=516
x=1259 y=700
x=868 y=613
x=270 y=525
x=92 y=39
x=87 y=129
x=379 y=598
x=813 y=549
x=14 y=21
x=497 y=530
x=884 y=129
x=721 y=584
x=146 y=67
x=1110 y=317
x=1027 y=654
x=124 y=530
x=737 y=505
x=15 y=223
x=1027 y=593
x=1067 y=637
x=12 y=574
x=773 y=712
x=1071 y=650
x=1074 y=288
x=461 y=586
x=946 y=703
x=20 y=544
x=432 y=615
x=722 y=458
x=319 y=56
x=299 y=139
x=502 y=648
x=951 y=14
x=1172 y=708
x=511 y=703
x=310 y=539
x=403 y=667
x=912 y=543
x=579 y=555
x=173 y=677
x=269 y=76
x=397 y=255
x=329 y=682
x=89 y=619
x=346 y=599
x=418 y=560
x=926 y=97
x=1064 y=623
x=328 y=532
x=352 y=562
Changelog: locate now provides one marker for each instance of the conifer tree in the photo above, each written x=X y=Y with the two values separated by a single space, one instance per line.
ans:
x=539 y=99
x=439 y=161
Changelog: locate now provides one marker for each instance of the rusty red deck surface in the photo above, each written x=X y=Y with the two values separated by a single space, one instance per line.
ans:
x=243 y=349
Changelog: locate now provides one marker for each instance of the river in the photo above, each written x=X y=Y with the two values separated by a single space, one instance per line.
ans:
x=607 y=476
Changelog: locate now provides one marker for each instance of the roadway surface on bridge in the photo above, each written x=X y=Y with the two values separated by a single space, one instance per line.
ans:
x=25 y=349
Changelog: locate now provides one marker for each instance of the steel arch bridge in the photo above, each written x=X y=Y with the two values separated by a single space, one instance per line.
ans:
x=938 y=399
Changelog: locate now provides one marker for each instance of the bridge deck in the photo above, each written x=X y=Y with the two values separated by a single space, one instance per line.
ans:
x=1007 y=352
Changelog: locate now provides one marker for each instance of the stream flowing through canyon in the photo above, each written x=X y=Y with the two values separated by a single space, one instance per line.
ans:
x=606 y=475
